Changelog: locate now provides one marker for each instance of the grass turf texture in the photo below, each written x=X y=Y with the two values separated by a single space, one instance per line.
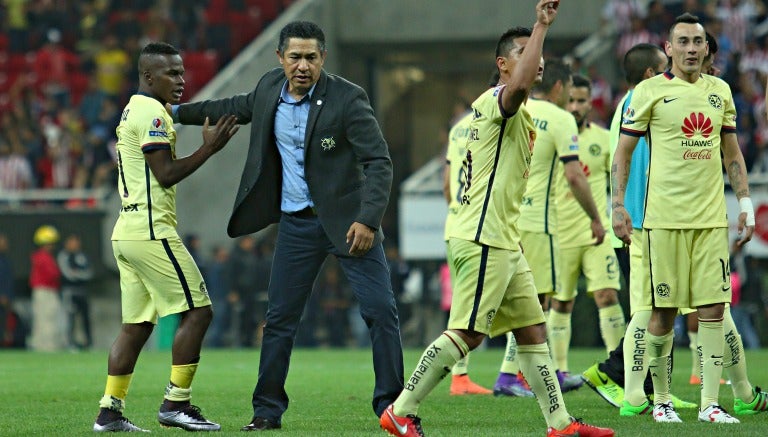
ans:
x=330 y=390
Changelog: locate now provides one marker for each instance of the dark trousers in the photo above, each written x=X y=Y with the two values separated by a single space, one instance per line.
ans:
x=300 y=250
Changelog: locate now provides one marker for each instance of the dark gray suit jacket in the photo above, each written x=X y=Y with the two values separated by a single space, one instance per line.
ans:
x=346 y=159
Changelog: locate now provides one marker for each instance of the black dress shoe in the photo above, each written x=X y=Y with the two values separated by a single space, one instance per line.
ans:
x=260 y=424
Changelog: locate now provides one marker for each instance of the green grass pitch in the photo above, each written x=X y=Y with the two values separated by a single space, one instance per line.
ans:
x=330 y=390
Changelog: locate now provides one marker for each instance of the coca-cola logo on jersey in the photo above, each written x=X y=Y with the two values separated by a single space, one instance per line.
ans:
x=697 y=154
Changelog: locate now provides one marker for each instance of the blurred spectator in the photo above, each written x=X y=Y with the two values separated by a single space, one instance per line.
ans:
x=619 y=13
x=741 y=317
x=45 y=281
x=76 y=274
x=217 y=282
x=12 y=331
x=335 y=301
x=637 y=33
x=739 y=17
x=658 y=20
x=15 y=169
x=53 y=64
x=244 y=270
x=17 y=24
x=111 y=63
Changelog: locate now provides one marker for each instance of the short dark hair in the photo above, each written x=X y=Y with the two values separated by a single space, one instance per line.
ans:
x=159 y=48
x=638 y=59
x=687 y=17
x=580 y=81
x=712 y=43
x=554 y=70
x=507 y=39
x=301 y=30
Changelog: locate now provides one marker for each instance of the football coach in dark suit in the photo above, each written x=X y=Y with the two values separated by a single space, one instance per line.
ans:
x=319 y=165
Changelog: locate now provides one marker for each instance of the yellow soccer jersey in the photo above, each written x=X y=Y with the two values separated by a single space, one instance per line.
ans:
x=556 y=141
x=454 y=156
x=493 y=174
x=148 y=210
x=573 y=224
x=682 y=123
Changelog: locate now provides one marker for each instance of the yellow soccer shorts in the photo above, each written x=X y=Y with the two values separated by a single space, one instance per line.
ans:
x=598 y=263
x=688 y=267
x=639 y=279
x=493 y=292
x=157 y=278
x=541 y=251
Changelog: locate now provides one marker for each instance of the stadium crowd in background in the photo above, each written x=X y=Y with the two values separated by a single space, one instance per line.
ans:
x=68 y=67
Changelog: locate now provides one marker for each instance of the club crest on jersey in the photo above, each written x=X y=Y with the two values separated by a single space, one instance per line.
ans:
x=663 y=289
x=697 y=122
x=715 y=101
x=328 y=143
x=157 y=123
x=595 y=149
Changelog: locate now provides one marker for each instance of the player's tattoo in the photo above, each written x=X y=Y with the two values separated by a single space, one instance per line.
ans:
x=738 y=179
x=620 y=216
x=617 y=186
x=615 y=205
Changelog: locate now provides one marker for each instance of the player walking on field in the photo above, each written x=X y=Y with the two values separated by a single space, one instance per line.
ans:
x=494 y=290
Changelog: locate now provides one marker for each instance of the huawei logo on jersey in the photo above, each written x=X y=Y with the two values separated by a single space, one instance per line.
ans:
x=697 y=122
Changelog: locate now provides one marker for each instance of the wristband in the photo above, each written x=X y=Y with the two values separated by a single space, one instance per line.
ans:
x=746 y=206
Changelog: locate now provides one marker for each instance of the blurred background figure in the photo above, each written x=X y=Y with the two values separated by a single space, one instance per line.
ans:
x=218 y=283
x=45 y=281
x=76 y=274
x=12 y=330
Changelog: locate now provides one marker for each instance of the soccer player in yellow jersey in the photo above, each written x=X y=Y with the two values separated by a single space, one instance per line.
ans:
x=493 y=291
x=578 y=251
x=157 y=274
x=455 y=152
x=556 y=158
x=689 y=120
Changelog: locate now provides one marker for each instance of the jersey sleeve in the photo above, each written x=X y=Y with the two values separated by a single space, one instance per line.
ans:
x=634 y=121
x=567 y=139
x=729 y=115
x=152 y=129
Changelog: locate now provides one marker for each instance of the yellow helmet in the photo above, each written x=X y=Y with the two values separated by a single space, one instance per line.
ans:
x=46 y=234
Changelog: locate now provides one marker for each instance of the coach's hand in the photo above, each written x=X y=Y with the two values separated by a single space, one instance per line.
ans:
x=361 y=237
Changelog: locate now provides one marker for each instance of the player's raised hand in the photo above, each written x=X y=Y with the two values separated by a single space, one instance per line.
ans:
x=216 y=137
x=546 y=10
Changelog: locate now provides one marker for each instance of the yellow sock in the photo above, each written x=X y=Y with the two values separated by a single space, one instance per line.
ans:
x=636 y=358
x=693 y=341
x=461 y=366
x=509 y=364
x=182 y=375
x=612 y=326
x=712 y=344
x=115 y=392
x=178 y=389
x=435 y=363
x=735 y=362
x=559 y=331
x=539 y=371
x=660 y=365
